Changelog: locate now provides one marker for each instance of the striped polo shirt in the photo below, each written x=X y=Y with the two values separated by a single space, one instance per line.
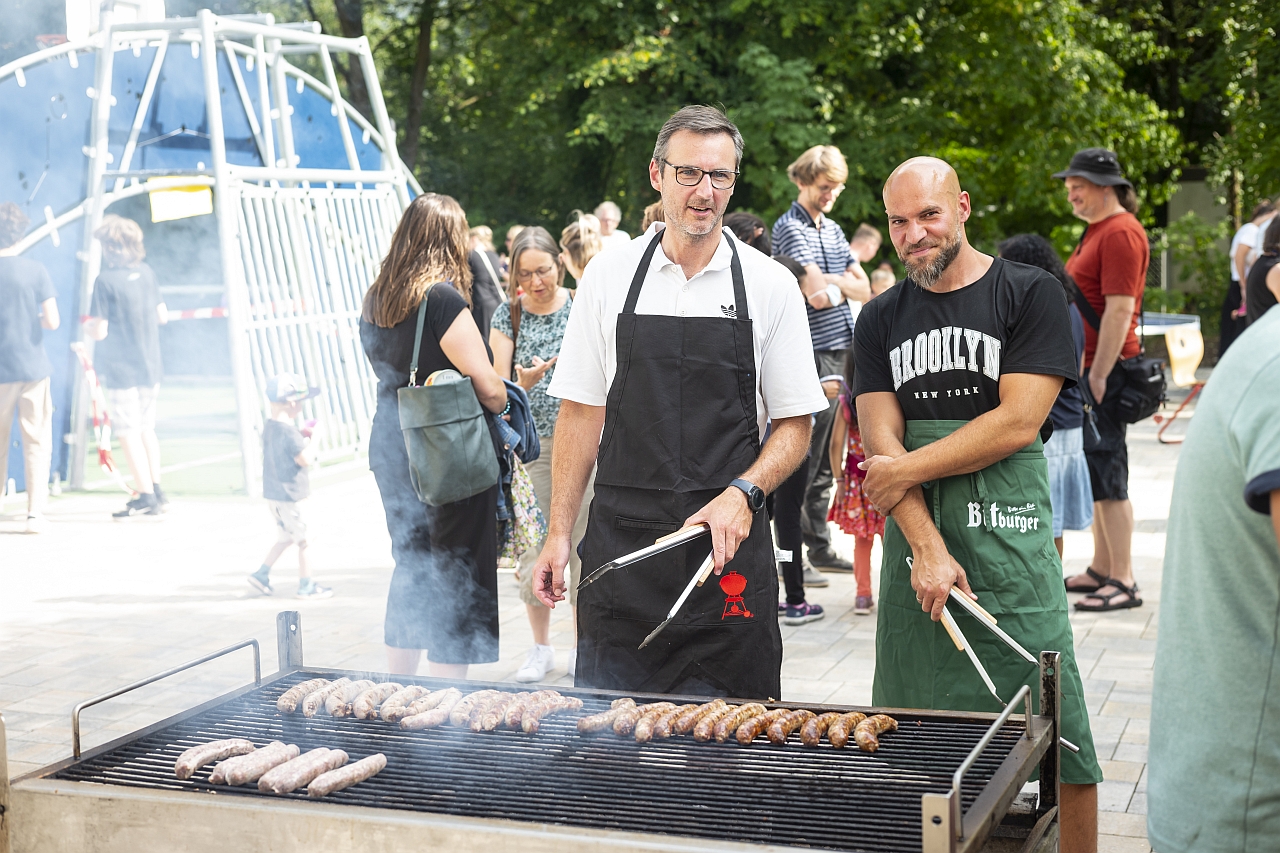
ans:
x=823 y=243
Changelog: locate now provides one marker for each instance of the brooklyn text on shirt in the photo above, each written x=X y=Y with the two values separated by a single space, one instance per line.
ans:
x=945 y=349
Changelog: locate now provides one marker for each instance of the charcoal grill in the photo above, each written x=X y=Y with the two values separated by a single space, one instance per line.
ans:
x=943 y=782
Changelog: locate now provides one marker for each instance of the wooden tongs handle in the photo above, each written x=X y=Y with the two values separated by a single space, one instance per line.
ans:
x=681 y=531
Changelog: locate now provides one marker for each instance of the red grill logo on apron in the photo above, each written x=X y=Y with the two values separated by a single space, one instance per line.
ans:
x=733 y=584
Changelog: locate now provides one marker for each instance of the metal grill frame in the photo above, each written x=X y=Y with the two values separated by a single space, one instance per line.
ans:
x=1035 y=831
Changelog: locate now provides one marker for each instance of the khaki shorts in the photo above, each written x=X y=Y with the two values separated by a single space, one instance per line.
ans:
x=132 y=409
x=540 y=473
x=289 y=524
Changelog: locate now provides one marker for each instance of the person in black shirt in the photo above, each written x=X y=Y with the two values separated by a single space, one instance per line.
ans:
x=958 y=368
x=125 y=318
x=287 y=452
x=1064 y=450
x=27 y=308
x=444 y=591
x=1262 y=287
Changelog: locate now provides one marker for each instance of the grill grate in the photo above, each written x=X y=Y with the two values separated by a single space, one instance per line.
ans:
x=824 y=798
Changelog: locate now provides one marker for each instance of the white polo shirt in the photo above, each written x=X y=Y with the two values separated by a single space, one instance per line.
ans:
x=786 y=378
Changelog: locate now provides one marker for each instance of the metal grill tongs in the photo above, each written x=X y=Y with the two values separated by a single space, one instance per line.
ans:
x=699 y=578
x=989 y=622
x=666 y=543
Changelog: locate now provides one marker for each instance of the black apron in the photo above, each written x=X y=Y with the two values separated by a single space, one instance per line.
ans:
x=680 y=425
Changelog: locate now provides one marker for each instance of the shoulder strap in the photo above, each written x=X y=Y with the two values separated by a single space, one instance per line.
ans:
x=1086 y=310
x=493 y=276
x=417 y=341
x=516 y=311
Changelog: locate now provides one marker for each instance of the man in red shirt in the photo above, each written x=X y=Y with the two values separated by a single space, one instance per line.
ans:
x=1110 y=268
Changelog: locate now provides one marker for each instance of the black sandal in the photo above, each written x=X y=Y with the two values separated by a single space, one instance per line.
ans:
x=1105 y=599
x=1099 y=582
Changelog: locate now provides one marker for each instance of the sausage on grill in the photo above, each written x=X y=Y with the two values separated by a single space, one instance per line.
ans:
x=867 y=733
x=624 y=702
x=838 y=732
x=461 y=713
x=488 y=715
x=421 y=705
x=644 y=725
x=759 y=724
x=345 y=777
x=812 y=731
x=686 y=721
x=250 y=766
x=666 y=723
x=289 y=700
x=365 y=706
x=401 y=699
x=729 y=724
x=316 y=699
x=598 y=722
x=779 y=730
x=534 y=714
x=207 y=753
x=514 y=715
x=705 y=727
x=436 y=716
x=339 y=702
x=299 y=771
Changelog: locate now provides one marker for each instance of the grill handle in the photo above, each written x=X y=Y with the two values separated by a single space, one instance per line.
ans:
x=75 y=712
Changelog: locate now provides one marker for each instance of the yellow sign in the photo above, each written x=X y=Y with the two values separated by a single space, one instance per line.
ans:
x=180 y=202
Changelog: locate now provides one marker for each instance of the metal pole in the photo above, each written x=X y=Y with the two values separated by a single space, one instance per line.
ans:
x=289 y=639
x=5 y=811
x=339 y=108
x=144 y=105
x=247 y=408
x=264 y=99
x=90 y=254
x=390 y=153
x=284 y=112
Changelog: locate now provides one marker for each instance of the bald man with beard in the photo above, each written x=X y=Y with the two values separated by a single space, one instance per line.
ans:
x=956 y=372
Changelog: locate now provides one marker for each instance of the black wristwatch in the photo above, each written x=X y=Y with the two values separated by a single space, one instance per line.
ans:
x=755 y=494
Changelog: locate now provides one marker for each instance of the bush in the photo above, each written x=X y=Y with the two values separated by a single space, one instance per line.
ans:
x=1193 y=244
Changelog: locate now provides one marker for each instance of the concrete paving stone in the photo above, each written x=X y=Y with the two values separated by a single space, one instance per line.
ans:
x=1114 y=795
x=1132 y=678
x=1112 y=726
x=1122 y=844
x=1122 y=823
x=31 y=676
x=1135 y=752
x=1138 y=805
x=1104 y=747
x=1126 y=709
x=1122 y=771
x=1142 y=780
x=1137 y=697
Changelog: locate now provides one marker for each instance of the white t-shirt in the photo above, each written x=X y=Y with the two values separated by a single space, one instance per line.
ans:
x=787 y=380
x=1247 y=235
x=616 y=239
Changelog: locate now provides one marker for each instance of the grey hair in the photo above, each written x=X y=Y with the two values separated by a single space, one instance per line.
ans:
x=702 y=120
x=610 y=207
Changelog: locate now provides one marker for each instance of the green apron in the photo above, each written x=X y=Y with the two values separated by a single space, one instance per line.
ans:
x=998 y=525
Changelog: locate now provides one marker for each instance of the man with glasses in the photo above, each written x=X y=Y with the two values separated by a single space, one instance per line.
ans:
x=680 y=347
x=835 y=287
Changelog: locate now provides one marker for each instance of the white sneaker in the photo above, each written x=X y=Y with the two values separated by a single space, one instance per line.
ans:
x=536 y=666
x=37 y=524
x=573 y=662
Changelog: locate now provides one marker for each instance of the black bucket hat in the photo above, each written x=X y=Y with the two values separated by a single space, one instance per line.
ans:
x=1098 y=165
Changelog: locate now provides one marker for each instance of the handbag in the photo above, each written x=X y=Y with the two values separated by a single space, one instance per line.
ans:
x=451 y=453
x=1142 y=393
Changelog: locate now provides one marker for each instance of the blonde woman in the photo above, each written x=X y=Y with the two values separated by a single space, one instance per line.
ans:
x=444 y=591
x=125 y=317
x=580 y=241
x=525 y=337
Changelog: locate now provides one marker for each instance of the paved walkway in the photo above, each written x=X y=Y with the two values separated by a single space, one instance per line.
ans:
x=95 y=604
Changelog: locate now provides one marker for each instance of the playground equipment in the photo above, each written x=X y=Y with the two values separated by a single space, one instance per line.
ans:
x=305 y=191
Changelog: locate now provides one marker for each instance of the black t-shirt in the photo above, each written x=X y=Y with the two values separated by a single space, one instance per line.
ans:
x=1258 y=298
x=24 y=286
x=486 y=294
x=129 y=356
x=1068 y=409
x=943 y=353
x=283 y=479
x=390 y=351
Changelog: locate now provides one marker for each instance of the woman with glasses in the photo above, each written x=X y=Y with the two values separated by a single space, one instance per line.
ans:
x=525 y=336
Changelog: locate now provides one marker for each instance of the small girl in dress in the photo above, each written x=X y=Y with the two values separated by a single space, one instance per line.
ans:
x=850 y=508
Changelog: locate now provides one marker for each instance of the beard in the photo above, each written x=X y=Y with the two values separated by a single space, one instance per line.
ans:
x=680 y=218
x=926 y=273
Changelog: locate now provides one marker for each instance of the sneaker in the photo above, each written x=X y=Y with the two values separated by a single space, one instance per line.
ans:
x=141 y=505
x=310 y=589
x=536 y=666
x=161 y=497
x=829 y=561
x=862 y=605
x=37 y=524
x=260 y=581
x=799 y=614
x=813 y=578
x=782 y=608
x=573 y=663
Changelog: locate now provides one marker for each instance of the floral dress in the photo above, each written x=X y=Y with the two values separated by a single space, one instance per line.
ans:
x=850 y=509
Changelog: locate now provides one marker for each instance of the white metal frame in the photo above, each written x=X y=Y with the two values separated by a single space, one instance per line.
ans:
x=324 y=243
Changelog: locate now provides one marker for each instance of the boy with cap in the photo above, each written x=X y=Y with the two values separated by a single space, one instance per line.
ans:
x=287 y=452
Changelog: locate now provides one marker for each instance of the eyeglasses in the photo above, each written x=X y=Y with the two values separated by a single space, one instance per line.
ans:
x=691 y=176
x=542 y=273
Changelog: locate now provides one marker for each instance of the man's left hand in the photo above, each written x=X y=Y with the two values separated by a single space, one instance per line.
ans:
x=884 y=485
x=730 y=520
x=1097 y=387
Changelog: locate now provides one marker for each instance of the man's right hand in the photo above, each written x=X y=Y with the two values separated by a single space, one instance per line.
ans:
x=933 y=573
x=548 y=572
